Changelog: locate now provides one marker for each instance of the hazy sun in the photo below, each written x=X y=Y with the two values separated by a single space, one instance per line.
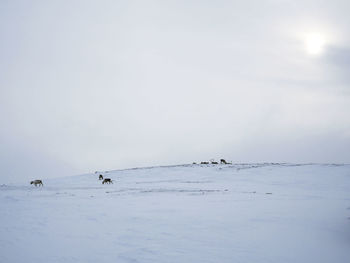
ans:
x=315 y=43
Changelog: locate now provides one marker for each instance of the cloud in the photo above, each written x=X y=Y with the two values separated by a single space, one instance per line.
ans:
x=118 y=84
x=338 y=60
x=339 y=56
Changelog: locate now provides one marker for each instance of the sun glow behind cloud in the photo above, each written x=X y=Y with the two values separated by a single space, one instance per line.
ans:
x=315 y=43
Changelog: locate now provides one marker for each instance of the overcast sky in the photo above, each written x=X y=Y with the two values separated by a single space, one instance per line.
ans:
x=99 y=85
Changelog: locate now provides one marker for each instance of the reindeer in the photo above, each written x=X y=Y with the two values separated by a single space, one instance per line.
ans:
x=100 y=177
x=37 y=182
x=223 y=161
x=213 y=162
x=107 y=181
x=204 y=162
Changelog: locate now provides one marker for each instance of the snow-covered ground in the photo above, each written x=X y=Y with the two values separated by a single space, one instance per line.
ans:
x=187 y=213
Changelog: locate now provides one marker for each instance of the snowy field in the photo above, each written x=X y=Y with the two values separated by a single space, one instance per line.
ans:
x=188 y=213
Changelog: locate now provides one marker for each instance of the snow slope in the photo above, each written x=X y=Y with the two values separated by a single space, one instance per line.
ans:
x=187 y=213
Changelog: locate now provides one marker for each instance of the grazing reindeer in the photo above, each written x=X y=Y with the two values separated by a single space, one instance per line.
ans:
x=204 y=162
x=214 y=162
x=37 y=182
x=107 y=181
x=100 y=177
x=223 y=161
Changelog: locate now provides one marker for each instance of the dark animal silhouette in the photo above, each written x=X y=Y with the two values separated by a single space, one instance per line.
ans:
x=223 y=161
x=107 y=181
x=37 y=182
x=204 y=162
x=100 y=177
x=214 y=162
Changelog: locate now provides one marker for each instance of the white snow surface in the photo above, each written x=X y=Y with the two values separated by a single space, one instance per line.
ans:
x=186 y=213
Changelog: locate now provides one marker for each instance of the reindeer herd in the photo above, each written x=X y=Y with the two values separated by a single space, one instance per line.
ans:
x=104 y=181
x=100 y=177
x=110 y=181
x=212 y=161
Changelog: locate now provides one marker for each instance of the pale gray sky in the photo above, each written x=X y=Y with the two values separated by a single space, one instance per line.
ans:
x=98 y=85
